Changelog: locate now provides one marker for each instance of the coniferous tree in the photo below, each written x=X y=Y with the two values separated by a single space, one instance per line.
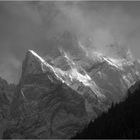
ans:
x=121 y=121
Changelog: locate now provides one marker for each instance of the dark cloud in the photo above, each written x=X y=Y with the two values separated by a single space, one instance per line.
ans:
x=42 y=26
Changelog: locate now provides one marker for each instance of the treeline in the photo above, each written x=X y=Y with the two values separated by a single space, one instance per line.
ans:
x=121 y=121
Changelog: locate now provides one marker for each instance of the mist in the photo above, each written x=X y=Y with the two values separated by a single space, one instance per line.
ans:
x=109 y=27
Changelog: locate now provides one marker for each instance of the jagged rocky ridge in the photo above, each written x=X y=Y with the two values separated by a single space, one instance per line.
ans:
x=57 y=98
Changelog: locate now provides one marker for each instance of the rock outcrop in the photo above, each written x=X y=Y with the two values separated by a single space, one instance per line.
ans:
x=56 y=99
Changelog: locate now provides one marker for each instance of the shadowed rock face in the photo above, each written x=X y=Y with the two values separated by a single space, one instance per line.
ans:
x=50 y=103
x=43 y=106
x=6 y=96
x=44 y=112
x=121 y=121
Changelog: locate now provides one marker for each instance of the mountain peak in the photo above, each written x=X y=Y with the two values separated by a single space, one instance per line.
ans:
x=68 y=90
x=36 y=55
x=32 y=63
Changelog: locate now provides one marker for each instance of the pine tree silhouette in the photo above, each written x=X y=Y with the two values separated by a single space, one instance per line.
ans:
x=121 y=121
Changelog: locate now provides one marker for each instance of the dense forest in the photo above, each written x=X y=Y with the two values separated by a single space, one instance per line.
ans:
x=121 y=121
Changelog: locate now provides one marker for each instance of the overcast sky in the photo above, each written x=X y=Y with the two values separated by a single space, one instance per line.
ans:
x=37 y=25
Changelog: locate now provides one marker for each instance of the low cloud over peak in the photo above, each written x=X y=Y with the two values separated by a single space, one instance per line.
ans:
x=41 y=26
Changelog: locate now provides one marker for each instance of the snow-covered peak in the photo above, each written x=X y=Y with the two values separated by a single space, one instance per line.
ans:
x=36 y=55
x=73 y=77
x=94 y=83
x=118 y=71
x=31 y=64
x=116 y=62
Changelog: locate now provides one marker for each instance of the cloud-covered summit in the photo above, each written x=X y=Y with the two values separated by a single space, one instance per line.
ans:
x=41 y=26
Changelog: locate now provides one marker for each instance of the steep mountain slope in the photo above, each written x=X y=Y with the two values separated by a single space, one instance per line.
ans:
x=111 y=77
x=46 y=107
x=57 y=98
x=121 y=121
x=6 y=96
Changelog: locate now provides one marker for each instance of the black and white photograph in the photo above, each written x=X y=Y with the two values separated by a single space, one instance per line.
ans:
x=69 y=69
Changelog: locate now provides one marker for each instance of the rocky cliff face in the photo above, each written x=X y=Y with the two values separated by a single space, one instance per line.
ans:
x=6 y=96
x=58 y=98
